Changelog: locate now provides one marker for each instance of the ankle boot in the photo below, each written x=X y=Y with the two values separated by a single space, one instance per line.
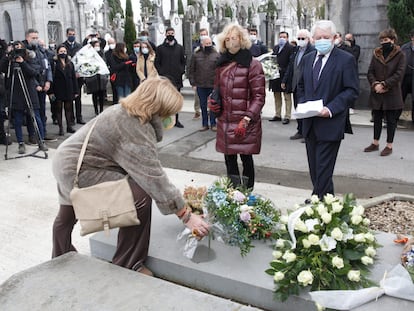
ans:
x=70 y=129
x=235 y=180
x=61 y=132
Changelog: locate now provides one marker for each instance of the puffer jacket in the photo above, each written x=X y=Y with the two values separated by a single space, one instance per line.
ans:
x=391 y=71
x=242 y=88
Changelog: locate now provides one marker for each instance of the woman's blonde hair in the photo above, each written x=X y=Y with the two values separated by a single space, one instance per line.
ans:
x=245 y=42
x=154 y=96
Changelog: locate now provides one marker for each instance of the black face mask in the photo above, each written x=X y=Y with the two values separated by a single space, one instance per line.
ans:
x=170 y=37
x=62 y=55
x=208 y=48
x=387 y=46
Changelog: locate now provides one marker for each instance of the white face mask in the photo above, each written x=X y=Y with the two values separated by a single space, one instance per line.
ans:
x=336 y=41
x=97 y=48
x=253 y=37
x=111 y=46
x=302 y=43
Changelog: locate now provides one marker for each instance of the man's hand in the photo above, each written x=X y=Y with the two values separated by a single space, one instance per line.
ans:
x=47 y=86
x=325 y=113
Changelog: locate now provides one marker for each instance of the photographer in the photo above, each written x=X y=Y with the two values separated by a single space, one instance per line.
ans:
x=18 y=57
x=3 y=139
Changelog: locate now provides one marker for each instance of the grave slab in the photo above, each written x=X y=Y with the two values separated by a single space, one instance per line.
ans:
x=220 y=269
x=79 y=282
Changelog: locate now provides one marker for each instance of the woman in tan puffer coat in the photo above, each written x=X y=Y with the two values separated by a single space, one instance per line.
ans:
x=241 y=82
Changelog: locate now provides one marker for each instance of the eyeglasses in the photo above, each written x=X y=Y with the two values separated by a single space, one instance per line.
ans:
x=301 y=38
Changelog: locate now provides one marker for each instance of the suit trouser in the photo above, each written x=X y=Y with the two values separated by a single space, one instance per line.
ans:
x=295 y=104
x=279 y=102
x=321 y=160
x=133 y=241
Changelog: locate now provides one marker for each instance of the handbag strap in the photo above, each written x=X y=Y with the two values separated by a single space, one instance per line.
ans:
x=82 y=154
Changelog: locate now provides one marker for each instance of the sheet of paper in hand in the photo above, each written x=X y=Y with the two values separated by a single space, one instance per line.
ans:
x=308 y=109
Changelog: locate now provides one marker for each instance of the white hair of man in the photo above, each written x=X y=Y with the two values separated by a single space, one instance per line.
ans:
x=304 y=33
x=205 y=39
x=325 y=25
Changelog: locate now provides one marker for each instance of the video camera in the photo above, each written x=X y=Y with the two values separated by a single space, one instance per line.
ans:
x=15 y=51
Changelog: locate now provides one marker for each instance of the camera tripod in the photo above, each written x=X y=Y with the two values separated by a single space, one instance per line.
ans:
x=18 y=71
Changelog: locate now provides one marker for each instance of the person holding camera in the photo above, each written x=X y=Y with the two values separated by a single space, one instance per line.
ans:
x=64 y=88
x=18 y=57
x=3 y=138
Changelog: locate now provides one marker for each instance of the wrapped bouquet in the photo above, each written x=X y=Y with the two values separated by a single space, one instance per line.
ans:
x=88 y=63
x=270 y=66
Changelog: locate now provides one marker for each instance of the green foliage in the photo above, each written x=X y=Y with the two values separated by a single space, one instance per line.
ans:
x=114 y=7
x=210 y=7
x=271 y=8
x=180 y=9
x=228 y=12
x=148 y=5
x=401 y=16
x=130 y=31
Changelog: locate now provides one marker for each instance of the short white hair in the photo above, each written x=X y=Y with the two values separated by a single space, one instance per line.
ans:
x=325 y=25
x=305 y=32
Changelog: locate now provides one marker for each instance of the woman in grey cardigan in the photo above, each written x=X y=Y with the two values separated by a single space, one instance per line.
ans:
x=124 y=141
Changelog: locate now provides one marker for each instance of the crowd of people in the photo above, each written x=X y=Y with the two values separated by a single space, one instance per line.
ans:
x=230 y=86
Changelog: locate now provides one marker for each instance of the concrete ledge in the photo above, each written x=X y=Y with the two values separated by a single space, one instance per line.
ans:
x=388 y=197
x=223 y=272
x=78 y=282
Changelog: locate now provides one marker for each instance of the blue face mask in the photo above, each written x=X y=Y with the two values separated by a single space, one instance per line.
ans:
x=282 y=41
x=144 y=38
x=71 y=38
x=136 y=50
x=323 y=46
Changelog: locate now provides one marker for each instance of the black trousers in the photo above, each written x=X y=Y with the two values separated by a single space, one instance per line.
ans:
x=391 y=116
x=295 y=104
x=233 y=168
x=133 y=241
x=321 y=160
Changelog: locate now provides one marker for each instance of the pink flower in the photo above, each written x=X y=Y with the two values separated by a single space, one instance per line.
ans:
x=238 y=196
x=245 y=216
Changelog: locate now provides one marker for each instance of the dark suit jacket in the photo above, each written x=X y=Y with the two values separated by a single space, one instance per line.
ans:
x=338 y=87
x=283 y=57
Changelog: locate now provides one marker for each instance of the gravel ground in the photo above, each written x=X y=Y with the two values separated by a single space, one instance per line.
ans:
x=392 y=217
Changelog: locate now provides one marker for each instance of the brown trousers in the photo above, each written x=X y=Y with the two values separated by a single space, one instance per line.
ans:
x=133 y=241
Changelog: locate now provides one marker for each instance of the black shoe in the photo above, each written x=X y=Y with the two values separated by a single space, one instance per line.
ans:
x=50 y=138
x=308 y=201
x=70 y=129
x=80 y=121
x=285 y=121
x=61 y=132
x=296 y=136
x=275 y=119
x=179 y=125
x=32 y=140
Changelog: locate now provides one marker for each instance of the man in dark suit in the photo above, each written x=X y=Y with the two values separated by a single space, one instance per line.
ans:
x=329 y=74
x=294 y=72
x=283 y=50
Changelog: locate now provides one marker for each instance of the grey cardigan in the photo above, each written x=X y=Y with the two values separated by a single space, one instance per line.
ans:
x=119 y=145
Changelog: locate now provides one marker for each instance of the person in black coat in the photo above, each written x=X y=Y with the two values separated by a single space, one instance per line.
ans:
x=119 y=66
x=64 y=88
x=19 y=58
x=283 y=51
x=170 y=62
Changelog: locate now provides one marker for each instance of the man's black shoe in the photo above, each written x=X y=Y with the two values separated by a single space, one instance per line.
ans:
x=285 y=121
x=308 y=201
x=296 y=136
x=275 y=119
x=81 y=121
x=50 y=138
x=179 y=125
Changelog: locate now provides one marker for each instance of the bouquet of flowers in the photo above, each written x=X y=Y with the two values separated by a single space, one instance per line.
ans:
x=407 y=258
x=326 y=245
x=88 y=63
x=270 y=66
x=238 y=216
x=194 y=197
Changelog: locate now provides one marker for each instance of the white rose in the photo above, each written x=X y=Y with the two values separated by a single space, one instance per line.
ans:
x=326 y=217
x=356 y=219
x=306 y=243
x=277 y=254
x=300 y=226
x=309 y=210
x=337 y=207
x=311 y=223
x=367 y=260
x=358 y=210
x=282 y=227
x=337 y=234
x=314 y=199
x=369 y=237
x=284 y=219
x=313 y=239
x=305 y=277
x=280 y=243
x=338 y=262
x=327 y=243
x=360 y=237
x=321 y=209
x=329 y=198
x=289 y=256
x=278 y=276
x=370 y=251
x=354 y=275
x=366 y=221
x=245 y=208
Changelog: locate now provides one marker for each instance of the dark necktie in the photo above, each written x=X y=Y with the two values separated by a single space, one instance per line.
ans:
x=316 y=71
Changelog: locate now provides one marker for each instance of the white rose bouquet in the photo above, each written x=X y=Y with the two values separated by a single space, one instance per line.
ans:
x=270 y=66
x=328 y=245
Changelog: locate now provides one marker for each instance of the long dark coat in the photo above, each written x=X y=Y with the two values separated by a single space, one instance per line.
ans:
x=283 y=58
x=242 y=90
x=170 y=62
x=64 y=85
x=118 y=66
x=391 y=71
x=29 y=76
